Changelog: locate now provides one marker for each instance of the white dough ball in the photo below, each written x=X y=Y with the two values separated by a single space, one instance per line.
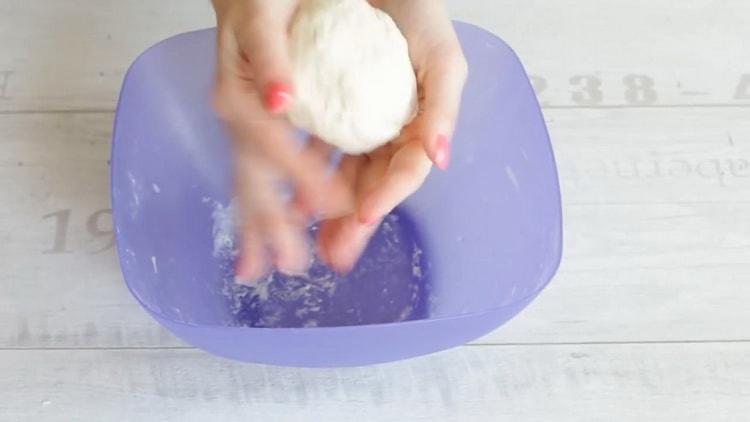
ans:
x=354 y=82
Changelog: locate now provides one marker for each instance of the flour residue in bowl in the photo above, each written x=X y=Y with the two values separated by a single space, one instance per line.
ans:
x=224 y=218
x=387 y=285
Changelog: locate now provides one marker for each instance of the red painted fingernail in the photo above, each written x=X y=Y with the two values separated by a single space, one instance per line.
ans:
x=442 y=152
x=277 y=97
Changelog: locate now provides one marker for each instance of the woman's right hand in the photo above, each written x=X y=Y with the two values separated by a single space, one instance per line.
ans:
x=253 y=91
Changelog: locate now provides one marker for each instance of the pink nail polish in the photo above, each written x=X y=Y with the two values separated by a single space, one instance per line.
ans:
x=277 y=97
x=442 y=152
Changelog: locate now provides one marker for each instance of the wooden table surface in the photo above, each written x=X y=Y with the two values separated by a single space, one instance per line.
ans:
x=648 y=106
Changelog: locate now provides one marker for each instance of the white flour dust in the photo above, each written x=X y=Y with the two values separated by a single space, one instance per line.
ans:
x=385 y=285
x=224 y=218
x=135 y=199
x=278 y=300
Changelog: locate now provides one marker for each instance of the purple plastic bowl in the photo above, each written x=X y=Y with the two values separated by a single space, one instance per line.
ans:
x=463 y=255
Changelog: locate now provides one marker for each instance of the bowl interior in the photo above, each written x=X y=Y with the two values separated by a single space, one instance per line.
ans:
x=483 y=235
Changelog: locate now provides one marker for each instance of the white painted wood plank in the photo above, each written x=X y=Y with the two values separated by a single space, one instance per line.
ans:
x=72 y=55
x=652 y=382
x=611 y=52
x=646 y=258
x=64 y=295
x=670 y=156
x=635 y=304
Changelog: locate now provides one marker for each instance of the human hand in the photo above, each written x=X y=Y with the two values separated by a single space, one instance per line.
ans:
x=384 y=178
x=253 y=90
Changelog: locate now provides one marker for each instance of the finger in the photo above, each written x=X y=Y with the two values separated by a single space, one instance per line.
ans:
x=251 y=263
x=342 y=242
x=233 y=81
x=407 y=171
x=263 y=40
x=334 y=208
x=337 y=199
x=326 y=228
x=318 y=148
x=263 y=210
x=302 y=202
x=347 y=175
x=307 y=170
x=348 y=169
x=286 y=239
x=442 y=85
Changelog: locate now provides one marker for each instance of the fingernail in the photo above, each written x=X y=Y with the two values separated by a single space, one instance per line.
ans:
x=277 y=97
x=442 y=152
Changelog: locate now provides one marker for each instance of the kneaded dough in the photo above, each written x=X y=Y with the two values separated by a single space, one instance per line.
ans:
x=354 y=82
